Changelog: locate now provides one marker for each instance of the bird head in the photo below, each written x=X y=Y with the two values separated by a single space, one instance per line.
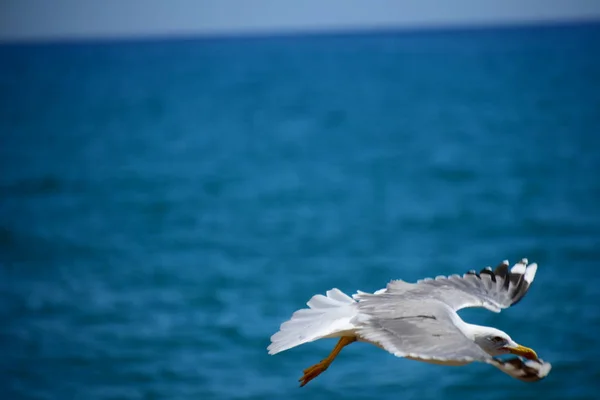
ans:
x=495 y=342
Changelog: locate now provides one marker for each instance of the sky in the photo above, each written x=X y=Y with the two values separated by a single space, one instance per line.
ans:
x=64 y=19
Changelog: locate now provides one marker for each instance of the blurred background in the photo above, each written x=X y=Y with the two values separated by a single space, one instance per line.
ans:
x=176 y=180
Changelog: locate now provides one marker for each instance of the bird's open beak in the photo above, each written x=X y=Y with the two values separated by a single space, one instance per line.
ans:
x=522 y=351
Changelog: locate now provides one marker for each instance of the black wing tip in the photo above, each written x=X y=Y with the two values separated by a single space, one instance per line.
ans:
x=512 y=282
x=488 y=271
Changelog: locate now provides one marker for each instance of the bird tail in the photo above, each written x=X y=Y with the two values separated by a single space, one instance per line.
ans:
x=327 y=316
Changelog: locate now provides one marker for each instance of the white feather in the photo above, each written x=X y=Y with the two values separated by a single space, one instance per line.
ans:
x=519 y=268
x=328 y=316
x=530 y=272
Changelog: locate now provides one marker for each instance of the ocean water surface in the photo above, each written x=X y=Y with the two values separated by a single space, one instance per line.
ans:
x=165 y=205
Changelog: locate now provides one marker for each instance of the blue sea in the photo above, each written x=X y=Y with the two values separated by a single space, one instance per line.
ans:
x=166 y=204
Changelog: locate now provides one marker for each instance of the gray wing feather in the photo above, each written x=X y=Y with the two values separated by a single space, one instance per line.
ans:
x=492 y=289
x=417 y=329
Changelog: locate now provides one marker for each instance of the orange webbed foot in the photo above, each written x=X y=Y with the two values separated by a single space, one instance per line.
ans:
x=312 y=372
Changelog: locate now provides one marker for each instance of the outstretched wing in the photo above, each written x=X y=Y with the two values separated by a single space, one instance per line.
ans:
x=414 y=328
x=492 y=289
x=523 y=370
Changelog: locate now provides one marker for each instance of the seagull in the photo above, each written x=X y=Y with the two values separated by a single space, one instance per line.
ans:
x=418 y=321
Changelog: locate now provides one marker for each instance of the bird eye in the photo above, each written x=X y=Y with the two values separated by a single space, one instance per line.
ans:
x=497 y=339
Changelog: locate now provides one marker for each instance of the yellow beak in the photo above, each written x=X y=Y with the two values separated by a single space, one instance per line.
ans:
x=522 y=351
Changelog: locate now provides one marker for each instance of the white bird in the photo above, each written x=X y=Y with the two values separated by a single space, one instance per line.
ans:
x=419 y=321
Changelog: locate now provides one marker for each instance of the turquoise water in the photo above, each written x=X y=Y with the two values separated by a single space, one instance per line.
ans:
x=165 y=205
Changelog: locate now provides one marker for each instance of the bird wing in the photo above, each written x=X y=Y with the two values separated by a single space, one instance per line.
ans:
x=493 y=289
x=523 y=370
x=415 y=328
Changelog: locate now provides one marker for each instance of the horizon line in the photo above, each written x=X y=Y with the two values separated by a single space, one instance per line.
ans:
x=308 y=31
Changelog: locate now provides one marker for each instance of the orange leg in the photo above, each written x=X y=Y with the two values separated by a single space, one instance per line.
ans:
x=311 y=373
